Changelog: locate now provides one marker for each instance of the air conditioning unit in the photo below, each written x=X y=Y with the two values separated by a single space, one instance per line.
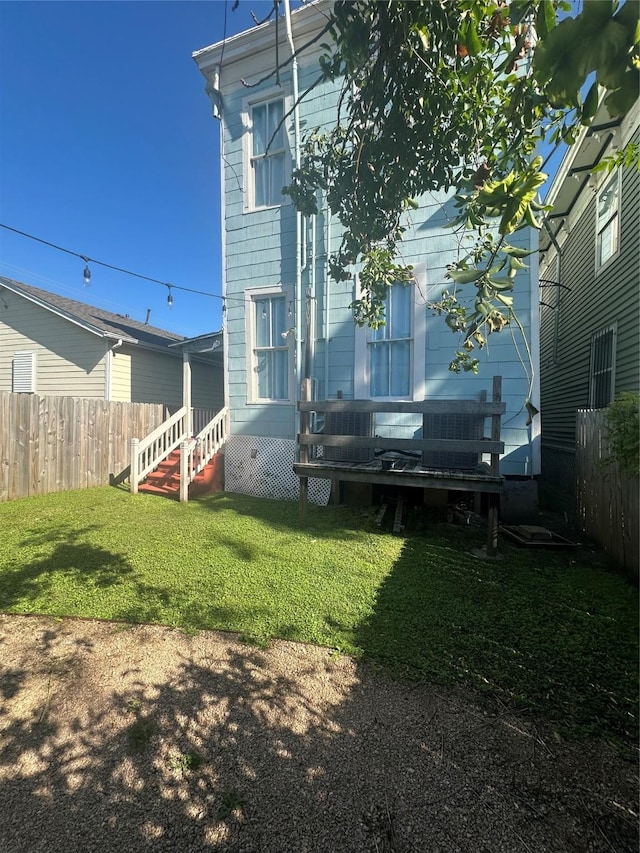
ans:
x=348 y=423
x=452 y=426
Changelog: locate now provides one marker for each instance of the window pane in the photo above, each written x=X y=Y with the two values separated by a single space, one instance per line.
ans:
x=261 y=178
x=608 y=200
x=379 y=354
x=400 y=298
x=273 y=379
x=601 y=369
x=259 y=120
x=400 y=368
x=276 y=178
x=276 y=111
x=281 y=378
x=262 y=324
x=607 y=240
x=278 y=320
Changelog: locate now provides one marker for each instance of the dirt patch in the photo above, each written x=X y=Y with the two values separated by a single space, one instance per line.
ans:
x=131 y=739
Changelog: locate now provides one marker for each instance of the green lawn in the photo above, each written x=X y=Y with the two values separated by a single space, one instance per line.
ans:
x=542 y=631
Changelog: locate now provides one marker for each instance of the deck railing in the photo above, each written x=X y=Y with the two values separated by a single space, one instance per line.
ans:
x=148 y=453
x=197 y=452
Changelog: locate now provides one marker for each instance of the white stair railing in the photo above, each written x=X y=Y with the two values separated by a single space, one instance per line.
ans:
x=148 y=453
x=197 y=452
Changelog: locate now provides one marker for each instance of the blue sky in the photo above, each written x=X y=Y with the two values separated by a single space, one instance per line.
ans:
x=108 y=148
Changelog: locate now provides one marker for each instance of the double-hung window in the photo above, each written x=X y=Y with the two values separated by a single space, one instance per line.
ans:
x=390 y=346
x=608 y=224
x=270 y=356
x=601 y=378
x=267 y=159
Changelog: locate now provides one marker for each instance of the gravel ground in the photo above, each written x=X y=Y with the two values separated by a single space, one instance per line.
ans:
x=118 y=739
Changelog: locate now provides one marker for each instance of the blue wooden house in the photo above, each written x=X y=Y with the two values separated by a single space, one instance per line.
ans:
x=285 y=318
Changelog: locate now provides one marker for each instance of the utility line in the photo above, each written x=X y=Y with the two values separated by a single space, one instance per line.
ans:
x=89 y=260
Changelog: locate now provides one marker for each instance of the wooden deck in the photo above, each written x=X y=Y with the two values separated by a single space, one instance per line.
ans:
x=401 y=461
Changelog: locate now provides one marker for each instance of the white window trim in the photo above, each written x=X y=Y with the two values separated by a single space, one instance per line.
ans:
x=271 y=94
x=612 y=327
x=251 y=296
x=617 y=215
x=361 y=378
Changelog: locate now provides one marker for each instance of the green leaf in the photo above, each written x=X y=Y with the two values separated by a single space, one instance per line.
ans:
x=516 y=251
x=469 y=37
x=546 y=18
x=590 y=105
x=465 y=276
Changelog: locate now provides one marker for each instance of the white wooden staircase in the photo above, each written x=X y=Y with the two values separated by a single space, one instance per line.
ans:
x=172 y=463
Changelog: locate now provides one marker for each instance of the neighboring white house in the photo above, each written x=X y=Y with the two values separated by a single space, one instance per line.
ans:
x=275 y=268
x=53 y=345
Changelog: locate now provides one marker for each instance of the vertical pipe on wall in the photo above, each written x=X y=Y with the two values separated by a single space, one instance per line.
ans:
x=327 y=253
x=296 y=163
x=215 y=96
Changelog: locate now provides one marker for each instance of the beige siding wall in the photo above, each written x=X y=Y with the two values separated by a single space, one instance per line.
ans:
x=70 y=360
x=156 y=377
x=207 y=387
x=121 y=376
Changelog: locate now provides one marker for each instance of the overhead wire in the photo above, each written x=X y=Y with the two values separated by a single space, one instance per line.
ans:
x=89 y=260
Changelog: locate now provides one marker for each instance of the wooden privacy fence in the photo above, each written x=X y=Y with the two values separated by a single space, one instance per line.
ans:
x=53 y=444
x=607 y=501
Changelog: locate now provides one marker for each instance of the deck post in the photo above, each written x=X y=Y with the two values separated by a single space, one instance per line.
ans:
x=492 y=525
x=184 y=482
x=305 y=396
x=494 y=500
x=133 y=475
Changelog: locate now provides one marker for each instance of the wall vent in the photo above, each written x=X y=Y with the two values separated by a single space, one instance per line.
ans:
x=452 y=426
x=24 y=372
x=348 y=423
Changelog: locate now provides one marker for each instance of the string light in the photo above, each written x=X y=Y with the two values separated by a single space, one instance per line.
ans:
x=87 y=275
x=87 y=272
x=88 y=260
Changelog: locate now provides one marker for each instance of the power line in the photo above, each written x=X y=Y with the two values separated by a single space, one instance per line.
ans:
x=89 y=260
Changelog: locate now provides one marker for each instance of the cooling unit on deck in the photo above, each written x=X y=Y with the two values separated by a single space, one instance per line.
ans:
x=348 y=423
x=452 y=426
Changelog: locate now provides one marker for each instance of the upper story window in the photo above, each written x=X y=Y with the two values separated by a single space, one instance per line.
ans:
x=267 y=154
x=607 y=220
x=601 y=375
x=390 y=346
x=270 y=354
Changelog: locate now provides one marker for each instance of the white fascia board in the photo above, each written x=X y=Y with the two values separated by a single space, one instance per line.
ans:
x=70 y=318
x=305 y=21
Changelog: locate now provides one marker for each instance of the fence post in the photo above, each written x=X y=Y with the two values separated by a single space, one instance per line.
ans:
x=184 y=459
x=133 y=477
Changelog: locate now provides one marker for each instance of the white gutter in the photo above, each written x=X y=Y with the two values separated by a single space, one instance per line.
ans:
x=296 y=159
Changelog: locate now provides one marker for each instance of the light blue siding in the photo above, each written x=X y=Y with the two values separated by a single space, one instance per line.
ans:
x=261 y=253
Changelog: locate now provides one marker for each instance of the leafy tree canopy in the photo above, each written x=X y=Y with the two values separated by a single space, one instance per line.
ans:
x=458 y=94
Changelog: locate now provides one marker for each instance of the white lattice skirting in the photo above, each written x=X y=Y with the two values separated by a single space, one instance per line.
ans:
x=263 y=467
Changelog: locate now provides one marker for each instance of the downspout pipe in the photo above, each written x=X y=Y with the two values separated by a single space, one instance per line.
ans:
x=327 y=253
x=298 y=259
x=556 y=317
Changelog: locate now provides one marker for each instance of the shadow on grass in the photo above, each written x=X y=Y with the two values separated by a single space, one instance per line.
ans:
x=28 y=581
x=538 y=631
x=323 y=522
